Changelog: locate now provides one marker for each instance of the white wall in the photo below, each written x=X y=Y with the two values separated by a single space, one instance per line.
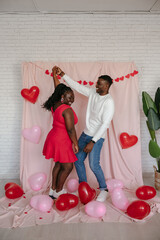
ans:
x=71 y=37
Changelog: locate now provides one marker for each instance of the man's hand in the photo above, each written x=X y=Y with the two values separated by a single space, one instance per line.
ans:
x=88 y=148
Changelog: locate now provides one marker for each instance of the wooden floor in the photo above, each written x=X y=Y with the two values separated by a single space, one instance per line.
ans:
x=86 y=231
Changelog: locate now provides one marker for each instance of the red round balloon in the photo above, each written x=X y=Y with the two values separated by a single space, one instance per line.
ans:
x=13 y=190
x=145 y=192
x=127 y=140
x=66 y=201
x=86 y=193
x=30 y=94
x=138 y=209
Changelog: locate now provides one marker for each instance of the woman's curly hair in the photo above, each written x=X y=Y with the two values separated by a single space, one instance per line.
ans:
x=60 y=90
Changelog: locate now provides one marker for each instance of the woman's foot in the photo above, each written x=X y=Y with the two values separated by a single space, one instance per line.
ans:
x=57 y=194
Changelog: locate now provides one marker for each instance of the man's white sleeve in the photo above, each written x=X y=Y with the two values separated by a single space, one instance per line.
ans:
x=76 y=86
x=106 y=118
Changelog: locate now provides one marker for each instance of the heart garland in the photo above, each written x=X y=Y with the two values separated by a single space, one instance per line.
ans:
x=91 y=83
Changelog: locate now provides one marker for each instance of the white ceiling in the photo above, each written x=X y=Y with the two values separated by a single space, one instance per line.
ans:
x=88 y=6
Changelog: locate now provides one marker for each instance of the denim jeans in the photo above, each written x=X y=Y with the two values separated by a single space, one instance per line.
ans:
x=94 y=160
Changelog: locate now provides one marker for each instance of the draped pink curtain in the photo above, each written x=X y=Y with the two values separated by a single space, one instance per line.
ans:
x=123 y=164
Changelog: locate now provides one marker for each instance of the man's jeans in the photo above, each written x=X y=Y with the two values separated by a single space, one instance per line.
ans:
x=94 y=160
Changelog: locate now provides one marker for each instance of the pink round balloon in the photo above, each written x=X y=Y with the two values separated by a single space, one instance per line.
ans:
x=32 y=134
x=37 y=180
x=72 y=185
x=95 y=209
x=114 y=183
x=41 y=203
x=119 y=199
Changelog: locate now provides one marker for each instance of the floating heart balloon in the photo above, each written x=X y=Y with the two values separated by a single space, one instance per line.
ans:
x=95 y=209
x=72 y=185
x=37 y=181
x=30 y=94
x=32 y=134
x=138 y=209
x=13 y=190
x=66 y=201
x=145 y=192
x=41 y=203
x=86 y=193
x=119 y=199
x=127 y=140
x=114 y=183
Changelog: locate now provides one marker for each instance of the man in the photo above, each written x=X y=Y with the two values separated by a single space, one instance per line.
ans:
x=100 y=110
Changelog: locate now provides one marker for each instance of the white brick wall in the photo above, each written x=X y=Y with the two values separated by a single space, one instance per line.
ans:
x=71 y=37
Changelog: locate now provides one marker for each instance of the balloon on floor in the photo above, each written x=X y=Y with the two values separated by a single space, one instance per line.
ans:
x=66 y=201
x=37 y=180
x=42 y=203
x=13 y=190
x=95 y=209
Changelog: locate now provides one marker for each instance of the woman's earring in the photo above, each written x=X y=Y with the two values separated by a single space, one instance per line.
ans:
x=62 y=100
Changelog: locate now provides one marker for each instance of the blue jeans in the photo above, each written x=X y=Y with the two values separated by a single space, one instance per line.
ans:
x=94 y=160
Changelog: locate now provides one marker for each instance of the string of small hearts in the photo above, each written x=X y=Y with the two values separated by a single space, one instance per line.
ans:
x=118 y=79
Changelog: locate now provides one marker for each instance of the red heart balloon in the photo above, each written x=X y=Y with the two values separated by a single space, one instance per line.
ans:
x=138 y=209
x=13 y=190
x=86 y=193
x=30 y=94
x=66 y=201
x=145 y=192
x=127 y=141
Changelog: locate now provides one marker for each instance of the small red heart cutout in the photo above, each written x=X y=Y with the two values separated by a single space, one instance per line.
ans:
x=135 y=72
x=13 y=190
x=51 y=74
x=79 y=81
x=121 y=78
x=30 y=94
x=91 y=83
x=127 y=76
x=127 y=140
x=59 y=77
x=117 y=79
x=132 y=74
x=47 y=72
x=84 y=83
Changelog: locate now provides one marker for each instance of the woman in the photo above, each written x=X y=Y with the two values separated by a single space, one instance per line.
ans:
x=61 y=143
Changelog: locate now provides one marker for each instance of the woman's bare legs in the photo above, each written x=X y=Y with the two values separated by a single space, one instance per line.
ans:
x=64 y=172
x=55 y=173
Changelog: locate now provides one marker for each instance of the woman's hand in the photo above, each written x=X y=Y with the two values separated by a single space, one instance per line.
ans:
x=54 y=70
x=75 y=148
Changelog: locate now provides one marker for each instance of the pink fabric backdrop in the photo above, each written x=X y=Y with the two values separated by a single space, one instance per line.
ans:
x=123 y=164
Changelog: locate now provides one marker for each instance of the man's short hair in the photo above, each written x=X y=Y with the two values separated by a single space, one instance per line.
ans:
x=107 y=79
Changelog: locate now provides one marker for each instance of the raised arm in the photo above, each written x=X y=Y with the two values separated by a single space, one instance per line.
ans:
x=55 y=79
x=74 y=85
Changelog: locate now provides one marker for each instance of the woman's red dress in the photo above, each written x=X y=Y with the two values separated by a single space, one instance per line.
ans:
x=58 y=144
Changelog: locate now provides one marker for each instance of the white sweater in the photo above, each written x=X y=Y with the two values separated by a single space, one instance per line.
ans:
x=100 y=110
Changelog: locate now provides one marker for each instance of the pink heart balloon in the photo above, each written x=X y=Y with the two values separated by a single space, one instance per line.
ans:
x=37 y=181
x=95 y=209
x=41 y=203
x=114 y=183
x=32 y=134
x=119 y=199
x=72 y=185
